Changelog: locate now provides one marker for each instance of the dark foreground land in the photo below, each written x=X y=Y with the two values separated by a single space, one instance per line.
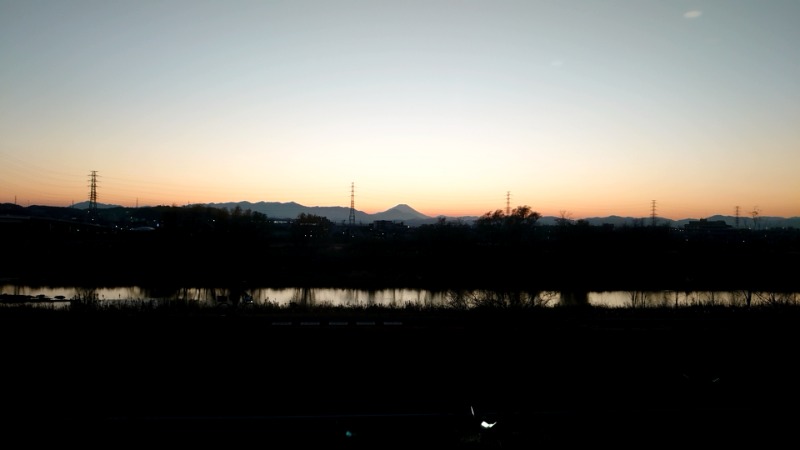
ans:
x=205 y=246
x=558 y=377
x=549 y=377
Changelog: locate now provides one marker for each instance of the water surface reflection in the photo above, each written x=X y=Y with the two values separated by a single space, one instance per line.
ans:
x=305 y=296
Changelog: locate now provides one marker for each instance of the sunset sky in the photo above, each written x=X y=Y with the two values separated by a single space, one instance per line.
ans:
x=591 y=108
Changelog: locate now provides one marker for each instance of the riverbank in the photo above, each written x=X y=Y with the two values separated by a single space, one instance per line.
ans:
x=553 y=376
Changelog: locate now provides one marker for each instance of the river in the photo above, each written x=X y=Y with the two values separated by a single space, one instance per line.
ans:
x=60 y=295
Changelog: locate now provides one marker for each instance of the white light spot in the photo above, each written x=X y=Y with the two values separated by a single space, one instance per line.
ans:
x=693 y=14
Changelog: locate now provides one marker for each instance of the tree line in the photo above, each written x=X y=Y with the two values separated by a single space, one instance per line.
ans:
x=194 y=244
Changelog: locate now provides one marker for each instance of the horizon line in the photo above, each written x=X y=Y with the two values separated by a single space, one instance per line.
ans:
x=645 y=217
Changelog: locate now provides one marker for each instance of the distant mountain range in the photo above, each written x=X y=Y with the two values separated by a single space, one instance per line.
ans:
x=410 y=216
x=743 y=222
x=336 y=214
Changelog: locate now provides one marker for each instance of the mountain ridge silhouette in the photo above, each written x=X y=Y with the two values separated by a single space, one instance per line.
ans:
x=407 y=214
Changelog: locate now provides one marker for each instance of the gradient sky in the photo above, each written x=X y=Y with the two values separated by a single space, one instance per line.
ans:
x=591 y=108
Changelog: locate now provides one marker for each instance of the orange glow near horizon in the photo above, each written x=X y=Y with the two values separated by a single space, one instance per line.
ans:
x=575 y=109
x=546 y=207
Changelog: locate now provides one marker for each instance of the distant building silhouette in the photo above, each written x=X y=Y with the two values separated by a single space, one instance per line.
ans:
x=706 y=225
x=384 y=228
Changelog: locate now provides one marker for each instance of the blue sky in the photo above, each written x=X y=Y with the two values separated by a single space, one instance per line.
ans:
x=586 y=107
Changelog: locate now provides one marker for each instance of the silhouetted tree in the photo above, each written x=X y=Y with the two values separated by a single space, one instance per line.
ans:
x=491 y=219
x=512 y=228
x=523 y=216
x=564 y=219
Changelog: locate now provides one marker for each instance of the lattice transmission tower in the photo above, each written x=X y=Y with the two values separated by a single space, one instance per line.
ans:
x=653 y=213
x=508 y=203
x=93 y=192
x=352 y=219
